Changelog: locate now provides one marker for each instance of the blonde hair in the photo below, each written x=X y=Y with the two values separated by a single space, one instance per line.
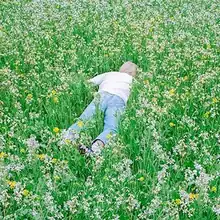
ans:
x=129 y=68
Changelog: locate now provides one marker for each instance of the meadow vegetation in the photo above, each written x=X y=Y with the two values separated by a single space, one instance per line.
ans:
x=164 y=163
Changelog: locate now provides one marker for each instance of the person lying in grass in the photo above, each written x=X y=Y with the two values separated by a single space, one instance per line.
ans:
x=114 y=90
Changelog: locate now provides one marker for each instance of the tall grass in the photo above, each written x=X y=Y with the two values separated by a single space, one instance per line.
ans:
x=164 y=162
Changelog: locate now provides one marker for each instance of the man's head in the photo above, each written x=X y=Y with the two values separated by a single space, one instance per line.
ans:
x=129 y=68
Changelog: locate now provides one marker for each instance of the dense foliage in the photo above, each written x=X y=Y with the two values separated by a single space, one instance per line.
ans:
x=164 y=163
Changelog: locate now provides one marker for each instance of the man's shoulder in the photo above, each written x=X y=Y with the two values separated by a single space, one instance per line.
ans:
x=112 y=72
x=119 y=74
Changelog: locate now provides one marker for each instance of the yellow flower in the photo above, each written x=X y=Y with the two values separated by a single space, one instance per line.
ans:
x=185 y=78
x=22 y=150
x=80 y=123
x=172 y=124
x=21 y=75
x=214 y=189
x=54 y=92
x=208 y=46
x=207 y=114
x=12 y=184
x=25 y=192
x=146 y=82
x=29 y=96
x=67 y=141
x=154 y=99
x=193 y=196
x=56 y=177
x=178 y=201
x=54 y=160
x=56 y=130
x=3 y=154
x=172 y=92
x=141 y=179
x=41 y=156
x=55 y=99
x=108 y=136
x=214 y=100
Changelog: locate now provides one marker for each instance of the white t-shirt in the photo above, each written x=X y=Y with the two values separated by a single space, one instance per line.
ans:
x=116 y=83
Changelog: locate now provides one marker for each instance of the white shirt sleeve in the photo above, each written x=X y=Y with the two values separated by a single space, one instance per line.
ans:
x=97 y=80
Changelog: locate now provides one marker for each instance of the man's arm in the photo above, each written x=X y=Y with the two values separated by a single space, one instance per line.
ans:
x=97 y=80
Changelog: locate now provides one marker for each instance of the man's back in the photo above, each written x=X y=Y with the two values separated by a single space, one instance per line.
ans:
x=117 y=83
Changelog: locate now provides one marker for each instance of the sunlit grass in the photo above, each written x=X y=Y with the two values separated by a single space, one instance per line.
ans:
x=164 y=163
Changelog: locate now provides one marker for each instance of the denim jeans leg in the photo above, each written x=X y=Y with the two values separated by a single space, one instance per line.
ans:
x=111 y=120
x=75 y=128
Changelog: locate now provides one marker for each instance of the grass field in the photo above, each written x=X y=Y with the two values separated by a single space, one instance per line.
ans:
x=164 y=163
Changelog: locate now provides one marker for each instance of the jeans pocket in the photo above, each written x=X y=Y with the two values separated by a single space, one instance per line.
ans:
x=117 y=101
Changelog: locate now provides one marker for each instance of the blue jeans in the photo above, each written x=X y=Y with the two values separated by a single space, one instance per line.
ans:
x=111 y=105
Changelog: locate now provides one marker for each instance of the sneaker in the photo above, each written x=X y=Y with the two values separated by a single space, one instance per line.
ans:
x=97 y=147
x=82 y=149
x=85 y=150
x=89 y=152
